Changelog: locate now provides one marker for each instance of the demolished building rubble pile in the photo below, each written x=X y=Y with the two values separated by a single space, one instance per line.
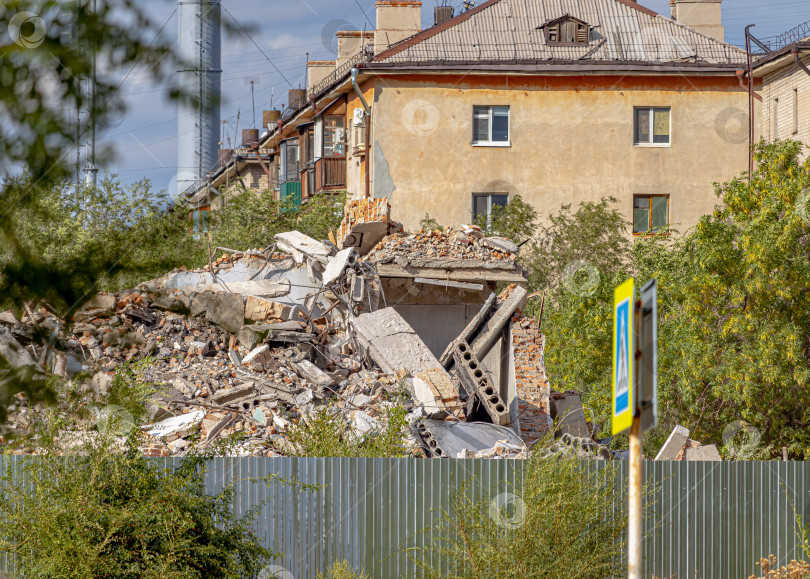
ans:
x=464 y=243
x=259 y=340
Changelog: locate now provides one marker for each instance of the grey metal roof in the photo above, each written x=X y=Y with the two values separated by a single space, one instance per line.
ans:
x=509 y=30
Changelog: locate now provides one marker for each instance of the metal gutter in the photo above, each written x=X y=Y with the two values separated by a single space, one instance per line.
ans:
x=551 y=67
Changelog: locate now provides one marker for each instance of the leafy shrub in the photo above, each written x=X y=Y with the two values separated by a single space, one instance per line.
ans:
x=105 y=514
x=325 y=432
x=342 y=570
x=560 y=523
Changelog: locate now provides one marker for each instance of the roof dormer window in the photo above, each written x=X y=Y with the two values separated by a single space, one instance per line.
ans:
x=566 y=31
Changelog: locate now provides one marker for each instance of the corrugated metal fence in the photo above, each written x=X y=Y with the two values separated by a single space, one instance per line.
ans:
x=711 y=520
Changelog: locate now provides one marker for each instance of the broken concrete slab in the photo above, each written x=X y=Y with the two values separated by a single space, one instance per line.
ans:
x=13 y=352
x=256 y=354
x=395 y=346
x=566 y=409
x=312 y=374
x=392 y=343
x=223 y=309
x=708 y=452
x=264 y=288
x=8 y=318
x=96 y=306
x=448 y=439
x=337 y=265
x=300 y=246
x=232 y=395
x=674 y=444
x=177 y=425
x=500 y=243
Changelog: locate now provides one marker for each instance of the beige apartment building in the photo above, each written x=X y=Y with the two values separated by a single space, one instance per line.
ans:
x=558 y=101
x=785 y=75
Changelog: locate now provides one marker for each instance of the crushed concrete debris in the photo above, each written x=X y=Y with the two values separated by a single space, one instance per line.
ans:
x=259 y=340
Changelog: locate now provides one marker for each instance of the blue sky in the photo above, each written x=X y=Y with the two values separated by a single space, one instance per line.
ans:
x=145 y=138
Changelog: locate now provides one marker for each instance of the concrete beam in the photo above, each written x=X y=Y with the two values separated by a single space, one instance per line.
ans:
x=473 y=377
x=493 y=329
x=672 y=447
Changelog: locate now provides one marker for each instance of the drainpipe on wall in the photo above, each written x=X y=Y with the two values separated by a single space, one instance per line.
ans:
x=355 y=72
x=750 y=70
x=795 y=52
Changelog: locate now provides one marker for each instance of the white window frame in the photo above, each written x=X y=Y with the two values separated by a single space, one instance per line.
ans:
x=489 y=115
x=652 y=117
x=489 y=205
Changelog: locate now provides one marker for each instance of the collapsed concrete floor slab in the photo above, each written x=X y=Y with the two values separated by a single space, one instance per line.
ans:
x=259 y=341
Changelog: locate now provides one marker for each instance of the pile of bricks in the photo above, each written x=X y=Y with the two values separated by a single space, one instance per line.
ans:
x=530 y=378
x=450 y=243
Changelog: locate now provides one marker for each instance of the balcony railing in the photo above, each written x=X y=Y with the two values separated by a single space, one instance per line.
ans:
x=330 y=173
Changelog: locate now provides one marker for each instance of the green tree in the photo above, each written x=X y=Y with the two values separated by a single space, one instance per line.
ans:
x=734 y=321
x=737 y=339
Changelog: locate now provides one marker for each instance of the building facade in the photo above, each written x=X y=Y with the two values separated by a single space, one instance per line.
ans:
x=785 y=77
x=557 y=101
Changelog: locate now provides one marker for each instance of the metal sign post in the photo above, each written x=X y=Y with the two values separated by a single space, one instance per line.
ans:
x=635 y=338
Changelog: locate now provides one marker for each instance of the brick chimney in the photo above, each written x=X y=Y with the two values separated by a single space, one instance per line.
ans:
x=702 y=15
x=317 y=70
x=396 y=20
x=350 y=42
x=250 y=137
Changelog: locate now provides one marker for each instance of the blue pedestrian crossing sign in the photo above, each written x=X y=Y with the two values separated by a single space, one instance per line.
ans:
x=623 y=349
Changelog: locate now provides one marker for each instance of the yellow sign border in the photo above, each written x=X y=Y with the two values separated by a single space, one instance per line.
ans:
x=623 y=421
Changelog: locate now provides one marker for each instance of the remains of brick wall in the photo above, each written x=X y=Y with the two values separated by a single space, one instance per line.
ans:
x=364 y=211
x=531 y=383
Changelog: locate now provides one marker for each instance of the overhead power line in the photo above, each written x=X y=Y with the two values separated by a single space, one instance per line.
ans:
x=242 y=28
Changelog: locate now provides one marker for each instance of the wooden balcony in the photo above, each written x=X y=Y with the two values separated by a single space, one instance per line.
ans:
x=330 y=173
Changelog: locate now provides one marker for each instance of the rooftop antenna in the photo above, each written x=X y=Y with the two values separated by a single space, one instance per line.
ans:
x=468 y=4
x=253 y=81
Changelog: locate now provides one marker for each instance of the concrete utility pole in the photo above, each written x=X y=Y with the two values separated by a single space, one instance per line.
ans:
x=90 y=169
